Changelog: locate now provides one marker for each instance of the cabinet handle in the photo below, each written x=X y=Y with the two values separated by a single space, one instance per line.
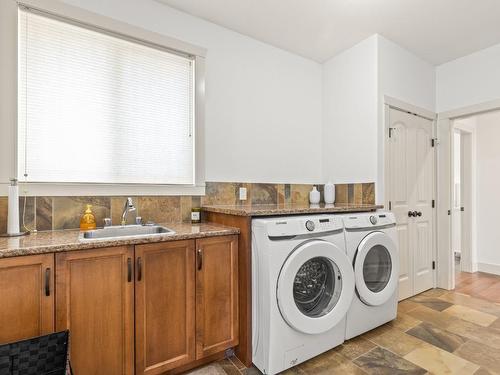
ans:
x=129 y=270
x=199 y=259
x=47 y=282
x=412 y=214
x=139 y=269
x=419 y=213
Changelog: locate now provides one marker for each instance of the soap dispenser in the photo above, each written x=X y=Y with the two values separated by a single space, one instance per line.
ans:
x=87 y=221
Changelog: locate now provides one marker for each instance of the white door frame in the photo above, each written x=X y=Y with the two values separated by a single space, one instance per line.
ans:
x=446 y=265
x=389 y=103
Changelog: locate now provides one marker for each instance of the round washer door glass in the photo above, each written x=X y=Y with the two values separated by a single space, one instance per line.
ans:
x=377 y=268
x=317 y=287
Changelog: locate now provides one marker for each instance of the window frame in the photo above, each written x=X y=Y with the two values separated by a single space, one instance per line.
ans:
x=77 y=16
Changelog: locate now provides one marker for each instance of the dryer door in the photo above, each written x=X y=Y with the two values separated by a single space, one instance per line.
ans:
x=315 y=287
x=376 y=268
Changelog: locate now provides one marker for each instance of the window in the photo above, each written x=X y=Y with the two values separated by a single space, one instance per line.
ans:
x=95 y=107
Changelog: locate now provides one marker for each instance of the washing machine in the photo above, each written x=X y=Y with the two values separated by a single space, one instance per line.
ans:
x=371 y=243
x=302 y=287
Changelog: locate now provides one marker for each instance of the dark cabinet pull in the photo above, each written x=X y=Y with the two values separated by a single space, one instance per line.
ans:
x=199 y=259
x=419 y=213
x=47 y=282
x=139 y=269
x=129 y=270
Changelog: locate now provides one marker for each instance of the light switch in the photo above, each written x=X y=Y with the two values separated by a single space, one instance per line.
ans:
x=243 y=194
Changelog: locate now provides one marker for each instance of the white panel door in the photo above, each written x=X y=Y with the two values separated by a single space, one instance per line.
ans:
x=422 y=226
x=411 y=185
x=399 y=181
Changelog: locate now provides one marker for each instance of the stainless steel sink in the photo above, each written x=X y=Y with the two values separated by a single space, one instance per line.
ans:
x=118 y=231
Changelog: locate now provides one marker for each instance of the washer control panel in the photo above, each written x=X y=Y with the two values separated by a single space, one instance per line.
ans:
x=303 y=225
x=369 y=220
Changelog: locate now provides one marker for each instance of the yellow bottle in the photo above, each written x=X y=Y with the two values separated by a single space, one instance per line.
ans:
x=88 y=219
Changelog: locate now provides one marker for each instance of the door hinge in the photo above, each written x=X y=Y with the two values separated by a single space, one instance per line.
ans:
x=433 y=264
x=433 y=203
x=390 y=205
x=462 y=209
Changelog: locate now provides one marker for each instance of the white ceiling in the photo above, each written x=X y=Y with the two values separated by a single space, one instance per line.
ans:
x=436 y=30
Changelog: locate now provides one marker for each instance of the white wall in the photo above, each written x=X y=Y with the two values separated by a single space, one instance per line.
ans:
x=350 y=114
x=355 y=83
x=469 y=80
x=488 y=188
x=272 y=116
x=403 y=76
x=263 y=104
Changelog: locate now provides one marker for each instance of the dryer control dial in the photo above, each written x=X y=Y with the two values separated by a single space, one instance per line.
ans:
x=373 y=220
x=310 y=225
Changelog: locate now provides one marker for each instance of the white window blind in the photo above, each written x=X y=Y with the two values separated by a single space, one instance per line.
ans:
x=97 y=108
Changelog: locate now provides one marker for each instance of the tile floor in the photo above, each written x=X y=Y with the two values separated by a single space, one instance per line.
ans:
x=436 y=332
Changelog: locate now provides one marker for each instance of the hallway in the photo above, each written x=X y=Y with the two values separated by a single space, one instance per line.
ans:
x=479 y=284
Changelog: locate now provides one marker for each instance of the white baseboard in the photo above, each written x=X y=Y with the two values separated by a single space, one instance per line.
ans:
x=475 y=267
x=489 y=268
x=470 y=267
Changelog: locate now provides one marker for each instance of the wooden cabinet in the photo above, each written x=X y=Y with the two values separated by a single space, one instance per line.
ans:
x=244 y=223
x=26 y=297
x=152 y=309
x=95 y=301
x=216 y=294
x=164 y=306
x=186 y=302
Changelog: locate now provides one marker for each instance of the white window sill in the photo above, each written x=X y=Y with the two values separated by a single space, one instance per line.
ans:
x=61 y=189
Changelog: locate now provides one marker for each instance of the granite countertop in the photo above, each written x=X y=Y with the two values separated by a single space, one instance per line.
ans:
x=66 y=240
x=289 y=209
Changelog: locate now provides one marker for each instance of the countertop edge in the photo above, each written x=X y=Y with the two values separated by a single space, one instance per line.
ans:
x=235 y=211
x=99 y=244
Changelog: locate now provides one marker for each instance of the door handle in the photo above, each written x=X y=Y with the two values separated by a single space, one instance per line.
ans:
x=199 y=259
x=139 y=269
x=412 y=213
x=47 y=282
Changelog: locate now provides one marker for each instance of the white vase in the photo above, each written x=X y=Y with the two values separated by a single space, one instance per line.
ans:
x=314 y=196
x=329 y=193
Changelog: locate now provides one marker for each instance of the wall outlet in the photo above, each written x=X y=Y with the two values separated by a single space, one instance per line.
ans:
x=243 y=194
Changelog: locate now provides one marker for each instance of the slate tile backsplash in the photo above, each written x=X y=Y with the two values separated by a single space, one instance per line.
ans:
x=49 y=213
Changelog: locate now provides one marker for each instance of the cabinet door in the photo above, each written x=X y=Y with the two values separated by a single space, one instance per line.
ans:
x=94 y=300
x=216 y=294
x=164 y=303
x=26 y=297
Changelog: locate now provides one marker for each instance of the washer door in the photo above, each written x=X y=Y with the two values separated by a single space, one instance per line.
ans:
x=315 y=287
x=376 y=268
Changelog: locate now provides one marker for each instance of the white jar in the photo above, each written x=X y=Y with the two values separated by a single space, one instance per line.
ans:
x=314 y=196
x=329 y=193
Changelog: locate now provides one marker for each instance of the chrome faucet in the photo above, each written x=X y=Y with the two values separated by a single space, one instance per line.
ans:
x=128 y=207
